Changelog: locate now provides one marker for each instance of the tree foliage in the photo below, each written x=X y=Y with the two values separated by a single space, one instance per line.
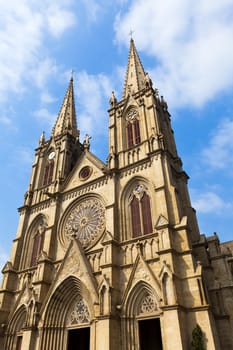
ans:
x=197 y=338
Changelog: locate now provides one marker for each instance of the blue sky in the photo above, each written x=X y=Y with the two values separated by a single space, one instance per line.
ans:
x=186 y=47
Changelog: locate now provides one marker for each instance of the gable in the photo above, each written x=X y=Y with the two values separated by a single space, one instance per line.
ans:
x=87 y=169
x=74 y=265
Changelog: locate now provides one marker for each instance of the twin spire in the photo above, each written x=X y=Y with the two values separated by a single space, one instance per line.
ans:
x=66 y=120
x=134 y=81
x=135 y=74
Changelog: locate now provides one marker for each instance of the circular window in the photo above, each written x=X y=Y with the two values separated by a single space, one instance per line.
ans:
x=86 y=222
x=85 y=173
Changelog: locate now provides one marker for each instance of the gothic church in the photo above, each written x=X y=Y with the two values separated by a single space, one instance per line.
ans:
x=108 y=256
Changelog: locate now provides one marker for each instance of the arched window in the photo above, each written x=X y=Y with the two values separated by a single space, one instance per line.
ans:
x=133 y=133
x=48 y=174
x=141 y=222
x=133 y=129
x=38 y=243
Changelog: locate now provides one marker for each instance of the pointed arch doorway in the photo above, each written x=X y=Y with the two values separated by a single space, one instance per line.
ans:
x=70 y=310
x=150 y=334
x=142 y=316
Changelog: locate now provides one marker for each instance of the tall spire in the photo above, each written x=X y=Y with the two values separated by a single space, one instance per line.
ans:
x=135 y=74
x=66 y=120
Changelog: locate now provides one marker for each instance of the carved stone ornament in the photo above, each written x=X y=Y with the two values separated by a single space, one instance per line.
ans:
x=80 y=313
x=86 y=222
x=148 y=305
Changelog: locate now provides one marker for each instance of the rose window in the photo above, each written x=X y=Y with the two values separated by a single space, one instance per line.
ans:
x=86 y=222
x=148 y=304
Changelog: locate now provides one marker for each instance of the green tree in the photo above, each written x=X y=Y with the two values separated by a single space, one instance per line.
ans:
x=197 y=339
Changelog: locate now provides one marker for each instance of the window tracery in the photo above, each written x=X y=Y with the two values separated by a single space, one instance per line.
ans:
x=80 y=313
x=86 y=222
x=148 y=305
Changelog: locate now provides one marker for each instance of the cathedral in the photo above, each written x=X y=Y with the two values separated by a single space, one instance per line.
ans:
x=108 y=256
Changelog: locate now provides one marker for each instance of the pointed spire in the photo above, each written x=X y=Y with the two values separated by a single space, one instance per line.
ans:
x=66 y=120
x=135 y=74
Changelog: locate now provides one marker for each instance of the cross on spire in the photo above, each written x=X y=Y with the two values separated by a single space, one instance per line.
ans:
x=131 y=33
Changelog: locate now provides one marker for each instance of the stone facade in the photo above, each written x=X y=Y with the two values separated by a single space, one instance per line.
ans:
x=109 y=256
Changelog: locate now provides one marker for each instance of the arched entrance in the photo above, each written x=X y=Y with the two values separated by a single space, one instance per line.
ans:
x=67 y=319
x=78 y=317
x=14 y=329
x=141 y=319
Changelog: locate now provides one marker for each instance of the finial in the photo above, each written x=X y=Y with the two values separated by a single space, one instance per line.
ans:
x=164 y=104
x=113 y=99
x=86 y=142
x=42 y=138
x=148 y=81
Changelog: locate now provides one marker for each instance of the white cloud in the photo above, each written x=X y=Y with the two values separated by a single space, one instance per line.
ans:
x=5 y=120
x=24 y=156
x=92 y=95
x=43 y=71
x=46 y=97
x=23 y=32
x=59 y=20
x=44 y=115
x=219 y=153
x=208 y=202
x=192 y=42
x=93 y=9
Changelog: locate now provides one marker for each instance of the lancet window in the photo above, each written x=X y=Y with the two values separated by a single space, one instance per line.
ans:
x=38 y=243
x=133 y=129
x=141 y=222
x=48 y=173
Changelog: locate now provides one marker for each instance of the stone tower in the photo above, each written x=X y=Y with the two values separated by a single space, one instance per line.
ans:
x=109 y=256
